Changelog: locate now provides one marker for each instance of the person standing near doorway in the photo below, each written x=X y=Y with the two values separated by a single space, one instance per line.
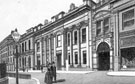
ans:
x=48 y=75
x=53 y=69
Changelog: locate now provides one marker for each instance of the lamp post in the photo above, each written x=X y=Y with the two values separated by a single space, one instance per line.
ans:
x=16 y=37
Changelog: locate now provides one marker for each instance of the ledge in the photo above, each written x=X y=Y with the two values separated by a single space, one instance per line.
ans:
x=20 y=75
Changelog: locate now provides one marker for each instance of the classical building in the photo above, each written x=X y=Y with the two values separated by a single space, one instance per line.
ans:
x=94 y=36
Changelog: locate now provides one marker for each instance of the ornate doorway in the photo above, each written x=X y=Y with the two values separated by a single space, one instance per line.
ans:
x=103 y=52
x=59 y=61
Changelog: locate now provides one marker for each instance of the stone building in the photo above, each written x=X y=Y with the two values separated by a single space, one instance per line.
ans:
x=95 y=36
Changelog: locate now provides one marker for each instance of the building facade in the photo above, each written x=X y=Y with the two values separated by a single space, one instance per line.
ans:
x=96 y=36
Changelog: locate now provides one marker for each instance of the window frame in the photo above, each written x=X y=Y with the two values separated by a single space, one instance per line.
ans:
x=83 y=35
x=128 y=19
x=75 y=38
x=59 y=41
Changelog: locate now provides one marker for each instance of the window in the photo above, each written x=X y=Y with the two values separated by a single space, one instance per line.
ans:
x=25 y=46
x=84 y=57
x=68 y=58
x=98 y=25
x=58 y=40
x=76 y=58
x=106 y=25
x=22 y=47
x=29 y=45
x=128 y=18
x=84 y=35
x=52 y=43
x=38 y=46
x=68 y=39
x=75 y=37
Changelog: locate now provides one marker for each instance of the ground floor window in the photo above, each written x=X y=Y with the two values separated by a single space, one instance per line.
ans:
x=128 y=57
x=84 y=57
x=68 y=58
x=76 y=58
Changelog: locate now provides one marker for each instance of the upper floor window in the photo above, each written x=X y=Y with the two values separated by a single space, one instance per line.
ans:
x=22 y=47
x=128 y=18
x=38 y=46
x=29 y=44
x=106 y=25
x=98 y=25
x=84 y=35
x=25 y=46
x=58 y=40
x=68 y=39
x=75 y=37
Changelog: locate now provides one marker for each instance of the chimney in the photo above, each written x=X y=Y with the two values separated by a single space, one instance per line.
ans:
x=45 y=22
x=87 y=2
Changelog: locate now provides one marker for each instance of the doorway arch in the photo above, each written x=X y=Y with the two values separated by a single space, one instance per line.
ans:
x=103 y=52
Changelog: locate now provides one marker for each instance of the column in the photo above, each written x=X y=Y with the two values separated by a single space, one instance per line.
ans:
x=62 y=57
x=79 y=44
x=31 y=62
x=111 y=59
x=41 y=53
x=71 y=46
x=116 y=42
x=89 y=54
x=50 y=55
x=35 y=53
x=95 y=61
x=45 y=58
x=64 y=47
x=54 y=47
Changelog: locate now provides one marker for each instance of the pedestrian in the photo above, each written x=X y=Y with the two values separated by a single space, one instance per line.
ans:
x=53 y=69
x=42 y=68
x=48 y=76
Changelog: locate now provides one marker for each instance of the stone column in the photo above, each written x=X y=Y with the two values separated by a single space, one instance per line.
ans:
x=111 y=59
x=50 y=55
x=116 y=42
x=36 y=53
x=71 y=47
x=31 y=62
x=64 y=47
x=54 y=47
x=41 y=51
x=79 y=43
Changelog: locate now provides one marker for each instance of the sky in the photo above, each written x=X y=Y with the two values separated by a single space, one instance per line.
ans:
x=24 y=14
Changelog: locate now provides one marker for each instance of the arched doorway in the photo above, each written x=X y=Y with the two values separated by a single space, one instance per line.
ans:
x=103 y=52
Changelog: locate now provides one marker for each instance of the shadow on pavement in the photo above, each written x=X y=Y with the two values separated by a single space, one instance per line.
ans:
x=59 y=80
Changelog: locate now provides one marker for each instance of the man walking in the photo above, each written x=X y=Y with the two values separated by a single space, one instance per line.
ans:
x=53 y=69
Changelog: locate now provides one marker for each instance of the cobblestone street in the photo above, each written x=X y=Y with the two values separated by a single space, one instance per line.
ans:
x=99 y=77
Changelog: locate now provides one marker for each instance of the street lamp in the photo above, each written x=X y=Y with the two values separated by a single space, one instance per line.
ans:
x=16 y=37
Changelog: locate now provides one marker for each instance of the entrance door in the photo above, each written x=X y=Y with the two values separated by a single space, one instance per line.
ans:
x=59 y=61
x=104 y=61
x=103 y=52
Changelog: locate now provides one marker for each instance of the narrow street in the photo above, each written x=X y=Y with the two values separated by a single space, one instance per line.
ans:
x=99 y=77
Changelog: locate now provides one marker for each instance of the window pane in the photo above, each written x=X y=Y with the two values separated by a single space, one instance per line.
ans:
x=76 y=58
x=98 y=25
x=75 y=37
x=68 y=38
x=129 y=14
x=84 y=57
x=128 y=23
x=106 y=25
x=84 y=35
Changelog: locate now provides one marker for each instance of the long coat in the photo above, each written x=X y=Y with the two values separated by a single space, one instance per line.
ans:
x=53 y=69
x=48 y=77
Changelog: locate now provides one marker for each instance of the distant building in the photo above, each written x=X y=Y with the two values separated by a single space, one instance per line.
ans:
x=95 y=36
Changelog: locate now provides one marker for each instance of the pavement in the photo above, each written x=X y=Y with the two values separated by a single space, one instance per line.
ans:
x=81 y=77
x=21 y=81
